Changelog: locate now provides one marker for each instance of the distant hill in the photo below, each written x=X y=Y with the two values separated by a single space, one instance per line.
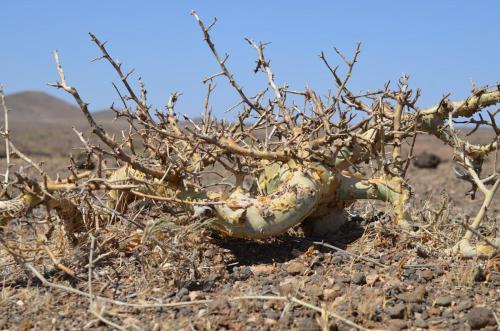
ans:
x=40 y=106
x=41 y=124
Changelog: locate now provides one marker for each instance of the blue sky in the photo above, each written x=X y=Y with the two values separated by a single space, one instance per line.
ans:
x=444 y=46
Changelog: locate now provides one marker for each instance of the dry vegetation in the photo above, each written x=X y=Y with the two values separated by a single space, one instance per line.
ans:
x=304 y=213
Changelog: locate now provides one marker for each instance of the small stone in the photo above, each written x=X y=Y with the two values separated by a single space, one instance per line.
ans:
x=409 y=273
x=397 y=311
x=417 y=295
x=479 y=317
x=396 y=325
x=416 y=308
x=195 y=285
x=245 y=273
x=313 y=291
x=319 y=270
x=316 y=261
x=359 y=266
x=448 y=313
x=329 y=294
x=296 y=268
x=464 y=305
x=218 y=259
x=131 y=322
x=438 y=271
x=219 y=304
x=202 y=312
x=83 y=161
x=434 y=311
x=183 y=292
x=393 y=284
x=359 y=279
x=307 y=324
x=337 y=259
x=254 y=318
x=427 y=161
x=262 y=269
x=342 y=280
x=272 y=314
x=288 y=286
x=196 y=295
x=426 y=274
x=371 y=279
x=420 y=323
x=444 y=301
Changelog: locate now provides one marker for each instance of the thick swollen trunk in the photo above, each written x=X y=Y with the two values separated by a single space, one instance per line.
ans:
x=319 y=195
x=263 y=216
x=290 y=194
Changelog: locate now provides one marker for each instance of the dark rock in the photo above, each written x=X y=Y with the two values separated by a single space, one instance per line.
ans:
x=444 y=301
x=408 y=273
x=195 y=285
x=416 y=308
x=316 y=262
x=427 y=161
x=397 y=311
x=84 y=161
x=479 y=276
x=359 y=279
x=244 y=273
x=479 y=317
x=377 y=315
x=296 y=253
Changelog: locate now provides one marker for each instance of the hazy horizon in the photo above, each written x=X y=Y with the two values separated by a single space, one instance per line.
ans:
x=445 y=46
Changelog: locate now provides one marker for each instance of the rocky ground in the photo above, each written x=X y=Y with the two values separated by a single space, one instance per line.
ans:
x=370 y=275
